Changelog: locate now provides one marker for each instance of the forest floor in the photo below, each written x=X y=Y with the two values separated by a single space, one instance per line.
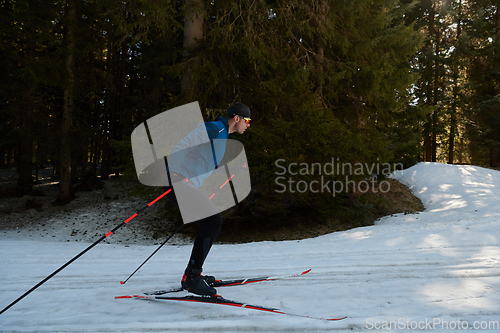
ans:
x=93 y=213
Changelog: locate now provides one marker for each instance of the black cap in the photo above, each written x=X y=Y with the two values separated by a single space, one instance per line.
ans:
x=239 y=109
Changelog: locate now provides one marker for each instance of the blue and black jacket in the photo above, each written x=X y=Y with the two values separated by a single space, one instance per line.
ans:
x=198 y=154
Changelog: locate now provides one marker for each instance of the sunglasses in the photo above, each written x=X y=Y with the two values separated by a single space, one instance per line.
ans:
x=247 y=120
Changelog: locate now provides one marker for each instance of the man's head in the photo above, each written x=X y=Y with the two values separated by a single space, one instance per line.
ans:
x=238 y=118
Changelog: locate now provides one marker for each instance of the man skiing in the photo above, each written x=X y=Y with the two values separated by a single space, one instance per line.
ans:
x=193 y=161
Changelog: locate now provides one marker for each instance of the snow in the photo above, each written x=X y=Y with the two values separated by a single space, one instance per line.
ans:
x=437 y=271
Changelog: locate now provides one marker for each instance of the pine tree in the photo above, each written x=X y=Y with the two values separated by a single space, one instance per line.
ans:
x=484 y=73
x=323 y=79
x=455 y=76
x=65 y=184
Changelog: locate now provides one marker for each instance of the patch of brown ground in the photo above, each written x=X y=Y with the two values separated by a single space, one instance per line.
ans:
x=360 y=209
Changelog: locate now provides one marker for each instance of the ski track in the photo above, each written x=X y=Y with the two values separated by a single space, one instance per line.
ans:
x=443 y=264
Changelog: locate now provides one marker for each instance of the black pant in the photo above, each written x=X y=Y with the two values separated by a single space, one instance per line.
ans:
x=210 y=229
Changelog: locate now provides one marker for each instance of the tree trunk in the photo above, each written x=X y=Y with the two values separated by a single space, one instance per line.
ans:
x=453 y=125
x=495 y=156
x=28 y=104
x=456 y=69
x=193 y=34
x=110 y=100
x=431 y=77
x=495 y=149
x=432 y=119
x=434 y=135
x=435 y=94
x=453 y=120
x=320 y=25
x=428 y=139
x=65 y=184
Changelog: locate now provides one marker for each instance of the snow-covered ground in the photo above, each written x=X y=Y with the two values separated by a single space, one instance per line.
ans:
x=437 y=270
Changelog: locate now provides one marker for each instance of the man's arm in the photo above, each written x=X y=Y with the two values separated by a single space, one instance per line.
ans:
x=212 y=131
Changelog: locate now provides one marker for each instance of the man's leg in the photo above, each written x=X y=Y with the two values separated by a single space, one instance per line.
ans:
x=210 y=230
x=192 y=280
x=210 y=226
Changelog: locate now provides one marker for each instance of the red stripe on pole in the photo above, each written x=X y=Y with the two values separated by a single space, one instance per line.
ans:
x=211 y=196
x=109 y=233
x=161 y=196
x=130 y=218
x=227 y=181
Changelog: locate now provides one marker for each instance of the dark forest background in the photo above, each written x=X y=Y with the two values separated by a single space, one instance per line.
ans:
x=361 y=81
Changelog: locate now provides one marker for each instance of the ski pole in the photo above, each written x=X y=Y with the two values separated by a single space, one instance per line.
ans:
x=152 y=254
x=83 y=252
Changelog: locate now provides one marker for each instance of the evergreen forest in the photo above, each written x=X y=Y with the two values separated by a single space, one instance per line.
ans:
x=385 y=82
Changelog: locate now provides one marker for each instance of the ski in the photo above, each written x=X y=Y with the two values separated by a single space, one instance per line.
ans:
x=227 y=283
x=223 y=301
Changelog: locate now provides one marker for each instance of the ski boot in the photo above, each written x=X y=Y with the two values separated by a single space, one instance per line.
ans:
x=195 y=283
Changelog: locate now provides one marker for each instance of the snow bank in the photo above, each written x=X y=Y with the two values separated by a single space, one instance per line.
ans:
x=451 y=189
